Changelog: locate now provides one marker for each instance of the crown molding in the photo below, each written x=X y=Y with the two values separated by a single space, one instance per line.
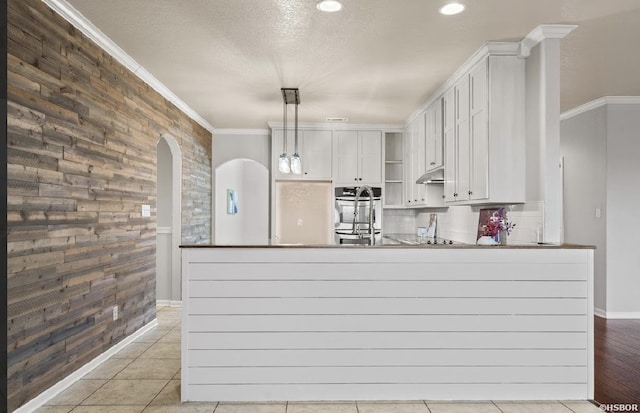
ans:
x=542 y=32
x=594 y=104
x=487 y=49
x=261 y=132
x=342 y=126
x=75 y=18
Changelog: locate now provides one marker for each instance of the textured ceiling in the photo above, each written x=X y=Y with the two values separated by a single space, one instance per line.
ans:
x=376 y=61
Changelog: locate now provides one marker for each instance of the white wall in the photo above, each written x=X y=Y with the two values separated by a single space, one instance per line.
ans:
x=601 y=146
x=583 y=144
x=231 y=144
x=164 y=222
x=250 y=225
x=623 y=218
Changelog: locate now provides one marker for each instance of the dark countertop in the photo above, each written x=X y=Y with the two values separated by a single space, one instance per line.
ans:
x=394 y=241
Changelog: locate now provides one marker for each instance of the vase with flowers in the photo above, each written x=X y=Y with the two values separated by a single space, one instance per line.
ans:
x=496 y=228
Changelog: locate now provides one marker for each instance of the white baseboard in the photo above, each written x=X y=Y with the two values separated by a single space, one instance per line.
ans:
x=622 y=315
x=600 y=313
x=63 y=384
x=611 y=315
x=168 y=303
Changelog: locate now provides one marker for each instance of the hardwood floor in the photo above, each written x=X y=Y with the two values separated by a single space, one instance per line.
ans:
x=617 y=361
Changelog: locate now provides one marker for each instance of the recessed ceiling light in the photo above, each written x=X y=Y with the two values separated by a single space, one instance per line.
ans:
x=451 y=9
x=329 y=5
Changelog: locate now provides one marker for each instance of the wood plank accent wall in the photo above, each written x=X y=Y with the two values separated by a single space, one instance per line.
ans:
x=82 y=135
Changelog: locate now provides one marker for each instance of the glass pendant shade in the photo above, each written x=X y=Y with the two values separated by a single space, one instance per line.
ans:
x=283 y=164
x=296 y=164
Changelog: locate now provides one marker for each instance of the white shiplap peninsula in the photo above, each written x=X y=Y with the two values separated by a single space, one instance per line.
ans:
x=387 y=323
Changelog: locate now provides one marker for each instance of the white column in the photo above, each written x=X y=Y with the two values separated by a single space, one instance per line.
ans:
x=544 y=171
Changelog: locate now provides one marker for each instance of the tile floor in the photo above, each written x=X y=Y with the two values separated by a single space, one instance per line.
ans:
x=145 y=377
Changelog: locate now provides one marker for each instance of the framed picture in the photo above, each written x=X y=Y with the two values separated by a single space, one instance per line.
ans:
x=483 y=219
x=232 y=202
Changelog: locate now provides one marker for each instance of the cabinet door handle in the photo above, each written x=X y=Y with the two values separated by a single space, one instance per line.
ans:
x=305 y=173
x=470 y=192
x=454 y=194
x=443 y=197
x=432 y=163
x=355 y=179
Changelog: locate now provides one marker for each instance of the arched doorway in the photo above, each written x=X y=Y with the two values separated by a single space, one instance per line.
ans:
x=168 y=225
x=247 y=222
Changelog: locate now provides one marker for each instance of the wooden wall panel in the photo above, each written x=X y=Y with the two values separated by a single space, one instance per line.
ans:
x=81 y=147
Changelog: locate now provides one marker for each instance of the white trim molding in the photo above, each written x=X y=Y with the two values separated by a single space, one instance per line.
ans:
x=342 y=126
x=594 y=104
x=63 y=384
x=164 y=230
x=169 y=303
x=260 y=132
x=610 y=315
x=542 y=32
x=600 y=313
x=75 y=18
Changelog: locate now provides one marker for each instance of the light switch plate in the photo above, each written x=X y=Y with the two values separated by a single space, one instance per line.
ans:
x=146 y=210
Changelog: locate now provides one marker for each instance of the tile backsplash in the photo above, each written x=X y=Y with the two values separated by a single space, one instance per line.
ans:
x=460 y=223
x=398 y=221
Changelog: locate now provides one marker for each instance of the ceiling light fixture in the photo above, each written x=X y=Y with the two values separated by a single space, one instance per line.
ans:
x=451 y=9
x=329 y=5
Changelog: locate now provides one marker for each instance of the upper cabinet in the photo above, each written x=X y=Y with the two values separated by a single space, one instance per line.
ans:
x=357 y=157
x=484 y=133
x=433 y=136
x=416 y=165
x=416 y=155
x=314 y=148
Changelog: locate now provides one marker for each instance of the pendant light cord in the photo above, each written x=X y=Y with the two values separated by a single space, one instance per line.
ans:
x=296 y=130
x=284 y=141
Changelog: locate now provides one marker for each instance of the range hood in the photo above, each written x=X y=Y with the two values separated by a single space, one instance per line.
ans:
x=435 y=176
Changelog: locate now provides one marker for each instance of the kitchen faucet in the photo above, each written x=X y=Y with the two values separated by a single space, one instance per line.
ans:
x=359 y=192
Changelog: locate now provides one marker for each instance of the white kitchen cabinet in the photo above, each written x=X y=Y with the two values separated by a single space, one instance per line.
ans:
x=484 y=136
x=449 y=138
x=316 y=161
x=415 y=193
x=433 y=132
x=357 y=157
x=314 y=148
x=418 y=195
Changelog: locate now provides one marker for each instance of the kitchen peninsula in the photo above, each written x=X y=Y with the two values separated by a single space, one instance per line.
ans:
x=388 y=322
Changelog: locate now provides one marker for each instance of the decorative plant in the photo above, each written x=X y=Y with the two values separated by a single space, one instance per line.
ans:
x=497 y=223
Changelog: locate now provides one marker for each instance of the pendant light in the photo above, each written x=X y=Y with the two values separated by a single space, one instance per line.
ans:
x=296 y=163
x=290 y=96
x=283 y=162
